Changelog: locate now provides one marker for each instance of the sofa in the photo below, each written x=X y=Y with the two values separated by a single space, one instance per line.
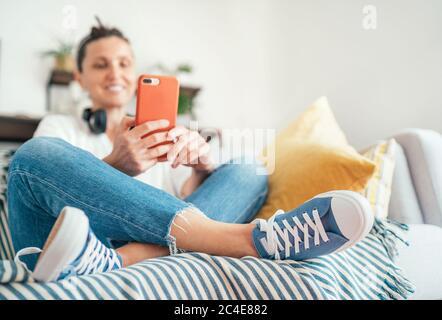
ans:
x=416 y=200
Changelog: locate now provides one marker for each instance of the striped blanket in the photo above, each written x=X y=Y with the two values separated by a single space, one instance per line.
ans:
x=6 y=250
x=365 y=271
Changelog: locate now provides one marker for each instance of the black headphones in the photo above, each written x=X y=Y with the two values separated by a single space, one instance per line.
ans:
x=96 y=120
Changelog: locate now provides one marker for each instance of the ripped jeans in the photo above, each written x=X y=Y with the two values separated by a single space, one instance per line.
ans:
x=47 y=174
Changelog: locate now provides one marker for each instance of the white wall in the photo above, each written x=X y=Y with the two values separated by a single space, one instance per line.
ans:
x=261 y=62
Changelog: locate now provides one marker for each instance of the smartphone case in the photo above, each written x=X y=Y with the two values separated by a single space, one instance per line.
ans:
x=157 y=101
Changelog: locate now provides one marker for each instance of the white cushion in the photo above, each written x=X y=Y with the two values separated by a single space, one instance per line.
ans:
x=404 y=205
x=423 y=149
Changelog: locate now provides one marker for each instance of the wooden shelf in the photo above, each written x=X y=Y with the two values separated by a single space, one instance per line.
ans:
x=61 y=78
x=57 y=78
x=17 y=129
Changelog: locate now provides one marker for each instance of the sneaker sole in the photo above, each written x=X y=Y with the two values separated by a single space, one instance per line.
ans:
x=362 y=207
x=64 y=244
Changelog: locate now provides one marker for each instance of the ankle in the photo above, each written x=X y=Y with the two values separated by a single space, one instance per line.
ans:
x=249 y=244
x=135 y=252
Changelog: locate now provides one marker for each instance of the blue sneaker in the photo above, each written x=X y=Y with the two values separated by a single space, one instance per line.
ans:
x=72 y=249
x=330 y=222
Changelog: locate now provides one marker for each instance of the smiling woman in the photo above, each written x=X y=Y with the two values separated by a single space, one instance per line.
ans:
x=105 y=67
x=119 y=82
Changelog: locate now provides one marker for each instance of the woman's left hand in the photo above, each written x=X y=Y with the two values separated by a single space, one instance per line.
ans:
x=190 y=149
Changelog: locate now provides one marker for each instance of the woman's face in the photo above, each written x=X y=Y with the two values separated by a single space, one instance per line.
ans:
x=108 y=72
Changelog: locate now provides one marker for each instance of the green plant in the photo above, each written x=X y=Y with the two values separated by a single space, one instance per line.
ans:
x=185 y=103
x=64 y=49
x=62 y=55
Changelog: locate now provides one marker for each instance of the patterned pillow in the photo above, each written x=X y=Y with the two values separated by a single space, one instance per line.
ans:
x=378 y=188
x=6 y=249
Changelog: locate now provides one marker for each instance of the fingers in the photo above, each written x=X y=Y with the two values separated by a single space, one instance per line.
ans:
x=127 y=122
x=156 y=152
x=188 y=149
x=154 y=139
x=182 y=142
x=191 y=154
x=204 y=154
x=177 y=132
x=147 y=127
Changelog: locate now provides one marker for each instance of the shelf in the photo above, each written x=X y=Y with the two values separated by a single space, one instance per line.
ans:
x=57 y=78
x=60 y=78
x=17 y=129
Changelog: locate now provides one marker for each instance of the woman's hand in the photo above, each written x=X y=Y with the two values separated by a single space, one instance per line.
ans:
x=133 y=154
x=190 y=149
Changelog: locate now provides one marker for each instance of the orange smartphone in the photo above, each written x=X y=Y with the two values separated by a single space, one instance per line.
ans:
x=157 y=98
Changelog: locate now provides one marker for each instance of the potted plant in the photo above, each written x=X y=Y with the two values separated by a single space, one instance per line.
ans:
x=63 y=59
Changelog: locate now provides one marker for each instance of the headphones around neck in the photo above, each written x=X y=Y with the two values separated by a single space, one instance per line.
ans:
x=96 y=120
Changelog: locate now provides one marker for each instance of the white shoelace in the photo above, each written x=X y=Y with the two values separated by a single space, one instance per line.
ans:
x=96 y=258
x=25 y=252
x=273 y=244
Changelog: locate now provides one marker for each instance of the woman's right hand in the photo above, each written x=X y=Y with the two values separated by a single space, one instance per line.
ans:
x=133 y=154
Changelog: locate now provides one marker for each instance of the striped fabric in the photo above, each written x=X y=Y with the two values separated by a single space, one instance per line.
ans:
x=6 y=250
x=365 y=271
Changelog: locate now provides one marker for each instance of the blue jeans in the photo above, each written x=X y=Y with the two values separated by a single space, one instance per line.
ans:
x=47 y=174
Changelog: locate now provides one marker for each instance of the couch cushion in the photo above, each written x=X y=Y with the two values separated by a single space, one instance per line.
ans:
x=378 y=188
x=423 y=149
x=404 y=205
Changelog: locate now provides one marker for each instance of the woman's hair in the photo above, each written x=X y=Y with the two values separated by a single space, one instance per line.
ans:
x=96 y=33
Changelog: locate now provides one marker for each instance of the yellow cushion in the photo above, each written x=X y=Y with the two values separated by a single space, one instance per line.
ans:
x=378 y=188
x=312 y=156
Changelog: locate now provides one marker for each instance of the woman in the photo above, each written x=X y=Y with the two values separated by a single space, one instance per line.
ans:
x=70 y=180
